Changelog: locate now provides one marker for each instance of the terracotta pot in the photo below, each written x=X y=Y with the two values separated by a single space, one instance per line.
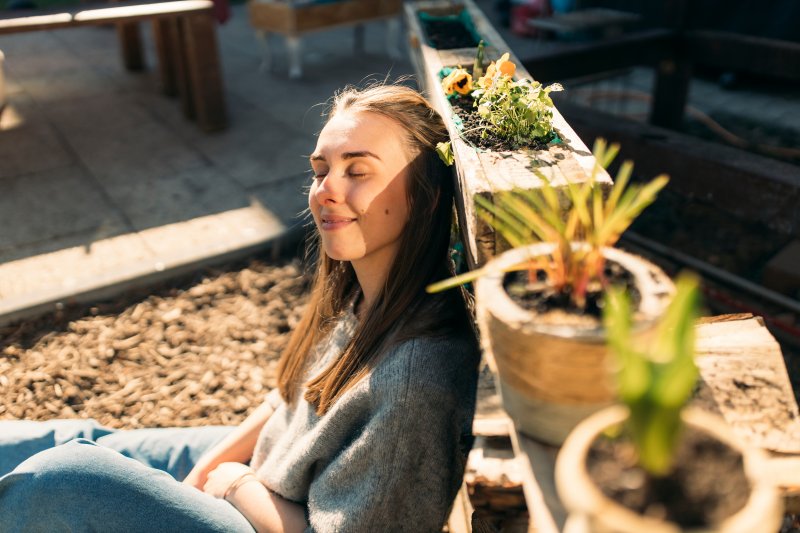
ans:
x=590 y=511
x=553 y=375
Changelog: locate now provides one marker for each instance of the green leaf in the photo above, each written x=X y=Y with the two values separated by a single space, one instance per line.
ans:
x=445 y=152
x=656 y=379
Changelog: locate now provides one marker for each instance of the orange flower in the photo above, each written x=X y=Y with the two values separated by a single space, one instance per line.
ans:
x=458 y=81
x=502 y=67
x=506 y=67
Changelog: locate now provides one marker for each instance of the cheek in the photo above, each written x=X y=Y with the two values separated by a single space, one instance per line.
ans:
x=313 y=205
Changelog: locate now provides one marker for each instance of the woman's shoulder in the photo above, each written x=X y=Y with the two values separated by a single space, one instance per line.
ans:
x=423 y=363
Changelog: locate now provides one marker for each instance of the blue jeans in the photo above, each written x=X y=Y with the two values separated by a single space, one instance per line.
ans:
x=74 y=475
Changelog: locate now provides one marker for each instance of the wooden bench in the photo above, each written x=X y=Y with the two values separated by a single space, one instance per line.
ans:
x=292 y=20
x=186 y=42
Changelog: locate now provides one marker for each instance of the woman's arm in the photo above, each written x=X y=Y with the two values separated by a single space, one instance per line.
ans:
x=266 y=511
x=237 y=447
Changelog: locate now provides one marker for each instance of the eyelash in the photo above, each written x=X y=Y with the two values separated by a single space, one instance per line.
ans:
x=351 y=174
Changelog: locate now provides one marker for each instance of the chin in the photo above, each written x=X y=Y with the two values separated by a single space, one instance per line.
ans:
x=340 y=255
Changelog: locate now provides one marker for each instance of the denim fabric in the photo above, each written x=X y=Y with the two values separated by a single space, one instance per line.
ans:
x=74 y=475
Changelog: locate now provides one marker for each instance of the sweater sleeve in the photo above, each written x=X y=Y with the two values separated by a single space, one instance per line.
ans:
x=403 y=469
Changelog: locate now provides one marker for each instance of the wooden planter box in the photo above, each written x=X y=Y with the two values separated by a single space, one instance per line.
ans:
x=287 y=19
x=485 y=172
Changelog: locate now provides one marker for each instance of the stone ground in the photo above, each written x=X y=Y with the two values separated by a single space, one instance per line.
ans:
x=104 y=184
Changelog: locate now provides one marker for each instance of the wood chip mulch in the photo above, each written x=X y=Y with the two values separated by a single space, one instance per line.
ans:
x=201 y=353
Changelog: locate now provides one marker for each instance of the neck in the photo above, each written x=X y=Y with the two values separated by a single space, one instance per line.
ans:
x=371 y=273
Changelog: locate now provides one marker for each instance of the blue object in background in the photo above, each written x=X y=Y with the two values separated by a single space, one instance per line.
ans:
x=562 y=6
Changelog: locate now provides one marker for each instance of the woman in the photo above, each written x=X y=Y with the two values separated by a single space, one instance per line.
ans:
x=369 y=427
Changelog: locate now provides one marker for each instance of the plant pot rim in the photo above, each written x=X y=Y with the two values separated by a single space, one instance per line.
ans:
x=655 y=298
x=581 y=496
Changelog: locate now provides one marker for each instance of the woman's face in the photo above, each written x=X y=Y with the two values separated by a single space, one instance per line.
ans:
x=358 y=197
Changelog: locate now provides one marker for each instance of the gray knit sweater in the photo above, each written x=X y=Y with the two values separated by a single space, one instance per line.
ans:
x=389 y=454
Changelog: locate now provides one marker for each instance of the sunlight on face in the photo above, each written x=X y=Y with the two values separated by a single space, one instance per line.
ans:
x=358 y=198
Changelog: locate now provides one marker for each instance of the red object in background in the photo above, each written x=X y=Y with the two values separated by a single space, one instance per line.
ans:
x=222 y=10
x=521 y=12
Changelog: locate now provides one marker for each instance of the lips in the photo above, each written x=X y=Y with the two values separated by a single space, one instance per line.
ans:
x=333 y=222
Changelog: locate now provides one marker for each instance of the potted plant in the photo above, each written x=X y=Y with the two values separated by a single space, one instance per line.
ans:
x=538 y=304
x=653 y=464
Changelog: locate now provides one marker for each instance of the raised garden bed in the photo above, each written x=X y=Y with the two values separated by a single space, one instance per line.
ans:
x=484 y=171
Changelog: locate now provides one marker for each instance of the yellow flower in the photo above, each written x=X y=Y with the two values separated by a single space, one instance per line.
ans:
x=501 y=67
x=458 y=81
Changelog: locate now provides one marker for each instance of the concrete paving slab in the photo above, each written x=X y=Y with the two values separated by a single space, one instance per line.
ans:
x=74 y=84
x=63 y=201
x=30 y=54
x=286 y=199
x=119 y=141
x=157 y=201
x=210 y=236
x=28 y=142
x=32 y=279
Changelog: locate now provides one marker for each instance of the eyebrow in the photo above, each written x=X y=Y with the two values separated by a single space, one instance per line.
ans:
x=346 y=155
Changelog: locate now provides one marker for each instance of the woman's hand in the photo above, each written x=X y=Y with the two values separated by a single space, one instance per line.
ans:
x=198 y=476
x=224 y=476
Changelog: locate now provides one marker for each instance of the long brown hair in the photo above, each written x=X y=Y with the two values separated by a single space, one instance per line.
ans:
x=402 y=309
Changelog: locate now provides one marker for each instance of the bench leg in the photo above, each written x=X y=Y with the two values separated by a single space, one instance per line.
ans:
x=393 y=37
x=293 y=47
x=130 y=43
x=266 y=49
x=165 y=35
x=205 y=72
x=182 y=77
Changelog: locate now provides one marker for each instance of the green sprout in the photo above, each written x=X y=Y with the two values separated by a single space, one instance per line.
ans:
x=592 y=218
x=655 y=381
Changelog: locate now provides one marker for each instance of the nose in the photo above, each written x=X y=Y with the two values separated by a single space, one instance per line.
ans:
x=329 y=190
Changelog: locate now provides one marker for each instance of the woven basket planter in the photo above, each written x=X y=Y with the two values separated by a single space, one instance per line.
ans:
x=553 y=375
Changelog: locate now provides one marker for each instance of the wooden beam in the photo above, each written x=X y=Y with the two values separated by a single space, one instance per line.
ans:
x=756 y=55
x=642 y=48
x=670 y=92
x=747 y=185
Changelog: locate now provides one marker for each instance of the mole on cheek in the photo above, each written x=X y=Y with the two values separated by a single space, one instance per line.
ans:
x=386 y=211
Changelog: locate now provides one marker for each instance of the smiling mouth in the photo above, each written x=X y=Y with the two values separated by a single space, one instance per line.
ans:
x=330 y=222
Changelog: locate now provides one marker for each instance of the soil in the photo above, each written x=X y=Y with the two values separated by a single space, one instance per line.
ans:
x=464 y=107
x=201 y=351
x=446 y=34
x=707 y=484
x=539 y=297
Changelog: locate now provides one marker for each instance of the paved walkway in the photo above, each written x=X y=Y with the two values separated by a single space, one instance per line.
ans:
x=104 y=184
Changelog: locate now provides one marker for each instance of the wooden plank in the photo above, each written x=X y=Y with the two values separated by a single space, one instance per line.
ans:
x=292 y=20
x=584 y=19
x=740 y=366
x=745 y=53
x=537 y=465
x=205 y=73
x=744 y=184
x=88 y=15
x=745 y=376
x=483 y=172
x=670 y=92
x=570 y=61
